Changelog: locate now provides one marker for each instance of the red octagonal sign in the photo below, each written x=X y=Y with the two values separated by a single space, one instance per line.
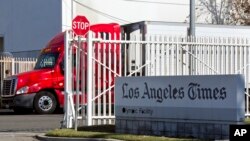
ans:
x=80 y=25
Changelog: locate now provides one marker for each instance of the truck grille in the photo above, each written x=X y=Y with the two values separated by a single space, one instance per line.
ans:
x=8 y=87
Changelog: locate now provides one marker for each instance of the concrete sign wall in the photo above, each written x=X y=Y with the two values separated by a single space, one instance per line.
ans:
x=203 y=99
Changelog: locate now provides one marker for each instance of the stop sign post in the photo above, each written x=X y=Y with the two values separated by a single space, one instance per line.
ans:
x=80 y=25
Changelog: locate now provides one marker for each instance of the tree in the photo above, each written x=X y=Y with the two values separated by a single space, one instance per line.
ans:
x=240 y=12
x=236 y=12
x=214 y=11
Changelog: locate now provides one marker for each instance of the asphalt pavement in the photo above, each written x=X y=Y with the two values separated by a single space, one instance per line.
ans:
x=16 y=127
x=14 y=136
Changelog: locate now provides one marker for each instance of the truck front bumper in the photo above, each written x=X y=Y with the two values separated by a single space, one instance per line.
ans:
x=7 y=102
x=22 y=101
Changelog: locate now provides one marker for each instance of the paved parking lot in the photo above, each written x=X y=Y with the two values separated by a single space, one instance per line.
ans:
x=24 y=127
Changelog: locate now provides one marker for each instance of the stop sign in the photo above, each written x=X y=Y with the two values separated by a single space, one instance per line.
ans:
x=80 y=25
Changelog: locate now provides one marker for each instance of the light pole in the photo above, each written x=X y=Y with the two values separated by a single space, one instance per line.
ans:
x=192 y=18
x=72 y=7
x=191 y=34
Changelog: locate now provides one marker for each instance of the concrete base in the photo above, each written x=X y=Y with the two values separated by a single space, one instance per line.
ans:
x=175 y=128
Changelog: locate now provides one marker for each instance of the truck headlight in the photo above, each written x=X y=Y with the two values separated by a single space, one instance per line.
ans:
x=22 y=90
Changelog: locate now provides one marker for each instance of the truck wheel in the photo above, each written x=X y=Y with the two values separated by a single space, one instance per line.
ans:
x=45 y=103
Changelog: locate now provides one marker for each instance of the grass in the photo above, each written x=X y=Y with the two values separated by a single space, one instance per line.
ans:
x=108 y=132
x=247 y=120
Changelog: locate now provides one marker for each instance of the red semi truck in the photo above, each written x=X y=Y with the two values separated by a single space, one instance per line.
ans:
x=42 y=88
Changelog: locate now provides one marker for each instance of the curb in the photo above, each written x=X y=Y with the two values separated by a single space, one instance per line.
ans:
x=47 y=138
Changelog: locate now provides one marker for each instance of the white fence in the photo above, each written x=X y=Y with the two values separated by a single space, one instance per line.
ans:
x=91 y=66
x=10 y=66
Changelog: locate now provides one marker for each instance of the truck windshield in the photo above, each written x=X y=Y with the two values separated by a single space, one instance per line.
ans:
x=47 y=60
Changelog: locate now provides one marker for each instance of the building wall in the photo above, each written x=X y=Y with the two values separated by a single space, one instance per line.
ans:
x=126 y=11
x=67 y=14
x=28 y=25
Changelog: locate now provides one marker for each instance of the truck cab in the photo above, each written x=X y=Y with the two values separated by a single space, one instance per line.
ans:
x=42 y=89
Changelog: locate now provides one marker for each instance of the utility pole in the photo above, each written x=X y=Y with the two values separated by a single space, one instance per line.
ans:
x=191 y=34
x=72 y=7
x=192 y=18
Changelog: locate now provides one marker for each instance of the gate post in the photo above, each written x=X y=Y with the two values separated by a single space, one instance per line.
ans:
x=89 y=78
x=68 y=113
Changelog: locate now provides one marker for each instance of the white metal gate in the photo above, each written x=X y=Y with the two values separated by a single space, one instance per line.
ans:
x=90 y=69
x=92 y=63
